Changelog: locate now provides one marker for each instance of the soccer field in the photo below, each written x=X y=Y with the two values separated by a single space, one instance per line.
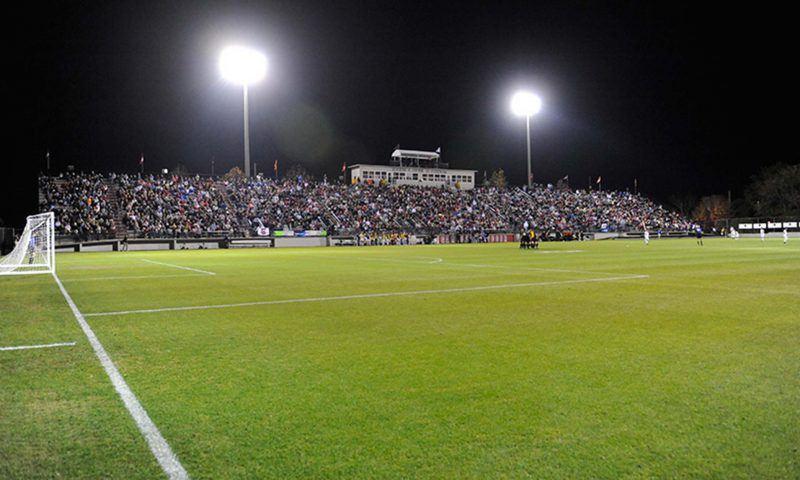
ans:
x=594 y=359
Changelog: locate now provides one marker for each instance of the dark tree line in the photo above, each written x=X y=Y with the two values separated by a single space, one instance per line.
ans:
x=775 y=191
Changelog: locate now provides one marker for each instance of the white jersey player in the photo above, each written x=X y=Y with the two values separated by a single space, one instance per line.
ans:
x=646 y=237
x=762 y=234
x=785 y=236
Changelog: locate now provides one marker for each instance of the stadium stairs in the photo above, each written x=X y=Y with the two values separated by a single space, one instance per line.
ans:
x=119 y=228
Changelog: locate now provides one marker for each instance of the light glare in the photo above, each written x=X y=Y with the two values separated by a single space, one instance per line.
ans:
x=241 y=65
x=525 y=104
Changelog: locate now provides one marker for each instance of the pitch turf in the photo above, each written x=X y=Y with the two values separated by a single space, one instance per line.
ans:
x=596 y=359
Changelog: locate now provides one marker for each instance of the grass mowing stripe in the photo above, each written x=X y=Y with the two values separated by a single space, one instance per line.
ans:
x=158 y=445
x=366 y=295
x=28 y=347
x=131 y=277
x=178 y=266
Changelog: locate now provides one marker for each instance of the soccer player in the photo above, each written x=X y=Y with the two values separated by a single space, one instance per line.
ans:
x=762 y=234
x=785 y=236
x=31 y=249
x=646 y=237
x=534 y=240
x=698 y=233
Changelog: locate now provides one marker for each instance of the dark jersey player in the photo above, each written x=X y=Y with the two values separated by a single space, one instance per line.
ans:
x=31 y=250
x=698 y=233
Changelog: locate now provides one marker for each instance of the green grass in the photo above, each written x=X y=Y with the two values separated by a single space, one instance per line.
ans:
x=691 y=372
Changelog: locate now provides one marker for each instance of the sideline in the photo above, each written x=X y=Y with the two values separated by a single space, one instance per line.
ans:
x=158 y=445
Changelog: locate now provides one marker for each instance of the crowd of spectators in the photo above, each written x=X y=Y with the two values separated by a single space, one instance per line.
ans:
x=80 y=204
x=172 y=205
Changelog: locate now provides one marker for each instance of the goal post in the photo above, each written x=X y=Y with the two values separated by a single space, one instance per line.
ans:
x=35 y=250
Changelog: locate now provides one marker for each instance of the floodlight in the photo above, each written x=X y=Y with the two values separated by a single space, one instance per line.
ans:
x=525 y=104
x=241 y=65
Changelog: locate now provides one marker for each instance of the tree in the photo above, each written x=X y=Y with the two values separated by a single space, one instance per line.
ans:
x=498 y=179
x=234 y=173
x=683 y=202
x=296 y=170
x=711 y=209
x=775 y=191
x=180 y=169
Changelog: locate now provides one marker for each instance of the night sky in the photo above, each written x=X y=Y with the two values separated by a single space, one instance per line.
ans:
x=685 y=99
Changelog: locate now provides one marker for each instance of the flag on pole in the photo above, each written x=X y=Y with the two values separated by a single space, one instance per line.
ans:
x=599 y=180
x=275 y=168
x=344 y=167
x=439 y=150
x=141 y=159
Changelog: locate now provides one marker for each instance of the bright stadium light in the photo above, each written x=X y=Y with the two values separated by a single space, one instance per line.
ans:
x=243 y=66
x=526 y=104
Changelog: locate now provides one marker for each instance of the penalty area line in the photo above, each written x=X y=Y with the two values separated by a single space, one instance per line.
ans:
x=158 y=445
x=179 y=266
x=28 y=347
x=368 y=295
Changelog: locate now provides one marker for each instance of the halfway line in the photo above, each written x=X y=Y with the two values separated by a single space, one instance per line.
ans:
x=49 y=345
x=178 y=266
x=160 y=448
x=366 y=295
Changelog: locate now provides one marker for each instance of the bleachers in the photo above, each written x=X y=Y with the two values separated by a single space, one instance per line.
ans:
x=114 y=206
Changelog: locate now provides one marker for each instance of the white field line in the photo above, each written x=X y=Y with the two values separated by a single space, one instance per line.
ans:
x=131 y=277
x=542 y=269
x=179 y=266
x=158 y=445
x=418 y=260
x=27 y=347
x=545 y=252
x=366 y=295
x=503 y=267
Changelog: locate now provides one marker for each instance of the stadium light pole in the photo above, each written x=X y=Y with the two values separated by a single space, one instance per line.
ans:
x=526 y=104
x=243 y=66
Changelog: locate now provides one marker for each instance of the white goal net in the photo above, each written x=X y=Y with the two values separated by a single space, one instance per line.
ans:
x=35 y=250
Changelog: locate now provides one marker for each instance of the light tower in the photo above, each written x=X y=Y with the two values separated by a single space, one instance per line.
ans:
x=243 y=66
x=526 y=104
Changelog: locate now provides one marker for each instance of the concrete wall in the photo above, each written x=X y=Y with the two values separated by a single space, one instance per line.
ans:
x=301 y=242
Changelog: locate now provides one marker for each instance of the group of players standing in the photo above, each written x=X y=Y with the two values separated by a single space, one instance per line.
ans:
x=528 y=239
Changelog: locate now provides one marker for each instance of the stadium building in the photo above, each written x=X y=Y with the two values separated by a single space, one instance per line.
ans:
x=414 y=167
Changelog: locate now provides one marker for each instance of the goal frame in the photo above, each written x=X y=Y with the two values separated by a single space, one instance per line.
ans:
x=49 y=265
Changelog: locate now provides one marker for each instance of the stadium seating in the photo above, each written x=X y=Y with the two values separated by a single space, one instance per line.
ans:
x=96 y=206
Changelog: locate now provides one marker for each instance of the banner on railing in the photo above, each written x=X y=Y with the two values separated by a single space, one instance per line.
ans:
x=300 y=233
